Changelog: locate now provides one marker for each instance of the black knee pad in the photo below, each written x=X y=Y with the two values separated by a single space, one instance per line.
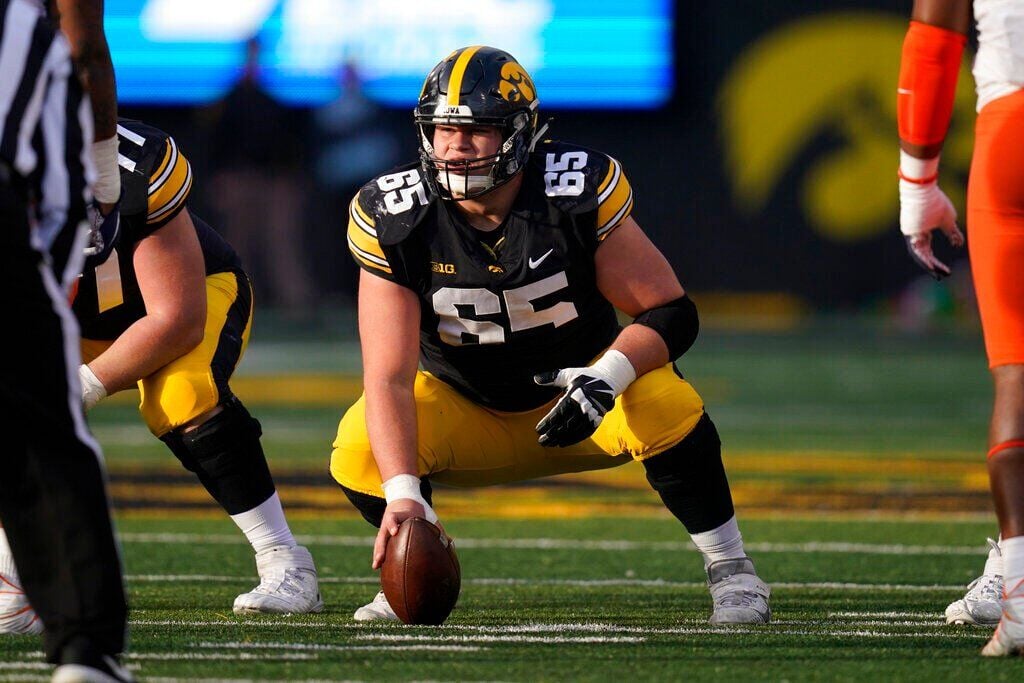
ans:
x=691 y=480
x=372 y=507
x=226 y=454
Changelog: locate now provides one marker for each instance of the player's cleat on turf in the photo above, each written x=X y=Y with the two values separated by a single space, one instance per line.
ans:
x=982 y=605
x=738 y=595
x=376 y=610
x=16 y=615
x=81 y=662
x=288 y=584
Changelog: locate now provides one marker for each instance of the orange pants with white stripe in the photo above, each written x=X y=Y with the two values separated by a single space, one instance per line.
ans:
x=995 y=225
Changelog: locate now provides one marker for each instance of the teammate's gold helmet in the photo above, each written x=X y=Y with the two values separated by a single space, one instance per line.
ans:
x=477 y=85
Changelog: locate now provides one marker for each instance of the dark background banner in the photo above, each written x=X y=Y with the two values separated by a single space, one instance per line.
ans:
x=772 y=169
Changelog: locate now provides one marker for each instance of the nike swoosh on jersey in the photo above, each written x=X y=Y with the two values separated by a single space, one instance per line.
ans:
x=533 y=264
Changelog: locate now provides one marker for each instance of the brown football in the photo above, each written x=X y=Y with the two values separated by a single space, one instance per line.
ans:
x=420 y=576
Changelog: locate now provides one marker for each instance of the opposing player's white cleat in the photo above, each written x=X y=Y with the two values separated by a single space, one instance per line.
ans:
x=738 y=595
x=982 y=605
x=16 y=615
x=377 y=610
x=288 y=584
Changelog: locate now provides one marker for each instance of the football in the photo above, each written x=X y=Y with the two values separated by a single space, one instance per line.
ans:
x=421 y=577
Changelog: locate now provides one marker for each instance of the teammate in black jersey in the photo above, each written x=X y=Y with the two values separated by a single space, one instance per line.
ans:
x=498 y=261
x=169 y=309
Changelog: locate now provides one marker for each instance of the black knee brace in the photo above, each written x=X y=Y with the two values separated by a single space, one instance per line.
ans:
x=691 y=481
x=372 y=507
x=226 y=454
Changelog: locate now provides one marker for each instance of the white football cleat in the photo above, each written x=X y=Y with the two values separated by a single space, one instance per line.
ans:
x=16 y=615
x=737 y=594
x=982 y=605
x=379 y=609
x=288 y=584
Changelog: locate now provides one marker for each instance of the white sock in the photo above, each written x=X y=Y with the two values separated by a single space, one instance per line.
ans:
x=994 y=563
x=265 y=525
x=1013 y=567
x=722 y=543
x=7 y=567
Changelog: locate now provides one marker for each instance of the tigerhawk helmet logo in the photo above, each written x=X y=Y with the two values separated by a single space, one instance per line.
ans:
x=515 y=85
x=831 y=77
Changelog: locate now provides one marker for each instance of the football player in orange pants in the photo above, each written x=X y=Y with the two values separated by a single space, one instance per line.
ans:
x=995 y=218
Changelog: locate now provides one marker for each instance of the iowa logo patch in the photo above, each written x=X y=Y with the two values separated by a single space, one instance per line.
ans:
x=515 y=85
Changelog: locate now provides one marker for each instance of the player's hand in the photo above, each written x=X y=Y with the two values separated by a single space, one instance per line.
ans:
x=397 y=512
x=925 y=208
x=590 y=392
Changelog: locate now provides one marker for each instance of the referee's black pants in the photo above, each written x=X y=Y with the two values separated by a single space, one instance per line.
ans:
x=53 y=499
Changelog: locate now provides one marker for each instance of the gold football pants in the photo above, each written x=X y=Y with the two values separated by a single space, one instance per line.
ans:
x=464 y=444
x=195 y=383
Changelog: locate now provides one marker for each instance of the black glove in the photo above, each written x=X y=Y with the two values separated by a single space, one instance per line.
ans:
x=580 y=409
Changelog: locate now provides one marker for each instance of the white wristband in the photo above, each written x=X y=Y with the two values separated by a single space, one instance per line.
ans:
x=407 y=486
x=93 y=390
x=107 y=188
x=616 y=369
x=913 y=168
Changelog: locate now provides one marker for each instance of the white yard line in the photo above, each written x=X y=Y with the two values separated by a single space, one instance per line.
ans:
x=576 y=544
x=313 y=647
x=582 y=583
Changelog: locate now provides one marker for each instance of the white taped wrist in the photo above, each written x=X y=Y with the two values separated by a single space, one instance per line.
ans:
x=616 y=369
x=913 y=168
x=403 y=486
x=407 y=486
x=93 y=390
x=107 y=189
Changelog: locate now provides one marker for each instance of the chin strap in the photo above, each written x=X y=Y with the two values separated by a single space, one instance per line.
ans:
x=540 y=133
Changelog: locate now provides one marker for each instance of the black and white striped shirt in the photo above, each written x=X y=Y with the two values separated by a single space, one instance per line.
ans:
x=45 y=122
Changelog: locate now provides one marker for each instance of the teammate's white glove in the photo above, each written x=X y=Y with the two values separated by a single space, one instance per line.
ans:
x=93 y=390
x=924 y=208
x=589 y=393
x=408 y=486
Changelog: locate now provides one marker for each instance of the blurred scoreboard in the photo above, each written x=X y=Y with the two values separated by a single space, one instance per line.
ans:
x=581 y=53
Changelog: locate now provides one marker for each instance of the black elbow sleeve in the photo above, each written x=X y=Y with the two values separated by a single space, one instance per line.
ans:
x=676 y=322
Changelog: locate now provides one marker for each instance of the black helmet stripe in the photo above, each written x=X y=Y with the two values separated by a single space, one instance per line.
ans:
x=458 y=71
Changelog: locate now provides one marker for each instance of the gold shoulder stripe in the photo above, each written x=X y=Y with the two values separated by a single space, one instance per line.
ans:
x=368 y=259
x=458 y=71
x=609 y=179
x=615 y=201
x=158 y=175
x=170 y=189
x=616 y=221
x=362 y=239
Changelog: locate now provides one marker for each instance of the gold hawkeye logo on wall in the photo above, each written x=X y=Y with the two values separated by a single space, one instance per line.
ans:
x=828 y=81
x=515 y=84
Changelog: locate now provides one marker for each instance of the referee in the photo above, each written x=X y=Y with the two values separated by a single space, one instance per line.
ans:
x=53 y=501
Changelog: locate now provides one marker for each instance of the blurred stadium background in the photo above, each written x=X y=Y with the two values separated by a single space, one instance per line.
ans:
x=760 y=140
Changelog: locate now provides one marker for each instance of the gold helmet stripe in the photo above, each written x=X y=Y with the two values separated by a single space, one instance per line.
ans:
x=458 y=71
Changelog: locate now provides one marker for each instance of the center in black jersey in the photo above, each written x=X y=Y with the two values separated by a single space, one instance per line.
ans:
x=491 y=318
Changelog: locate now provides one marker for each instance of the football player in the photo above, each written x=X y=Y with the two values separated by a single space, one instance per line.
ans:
x=929 y=69
x=499 y=260
x=170 y=310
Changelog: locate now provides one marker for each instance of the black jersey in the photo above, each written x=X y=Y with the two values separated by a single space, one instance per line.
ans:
x=492 y=318
x=156 y=179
